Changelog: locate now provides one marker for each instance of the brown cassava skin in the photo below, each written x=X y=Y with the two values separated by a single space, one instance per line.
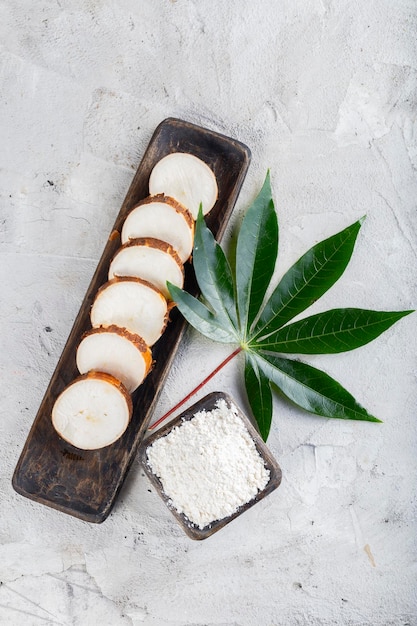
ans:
x=158 y=244
x=108 y=378
x=151 y=242
x=119 y=279
x=172 y=205
x=180 y=208
x=135 y=339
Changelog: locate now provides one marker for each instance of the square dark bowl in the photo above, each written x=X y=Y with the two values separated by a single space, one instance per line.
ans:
x=208 y=403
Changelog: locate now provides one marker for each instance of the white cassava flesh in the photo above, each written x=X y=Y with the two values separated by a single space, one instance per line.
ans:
x=131 y=303
x=150 y=259
x=117 y=352
x=162 y=218
x=93 y=411
x=186 y=178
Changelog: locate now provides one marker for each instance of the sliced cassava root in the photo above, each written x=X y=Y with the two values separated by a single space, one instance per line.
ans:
x=157 y=237
x=163 y=218
x=117 y=352
x=150 y=259
x=93 y=411
x=131 y=303
x=186 y=178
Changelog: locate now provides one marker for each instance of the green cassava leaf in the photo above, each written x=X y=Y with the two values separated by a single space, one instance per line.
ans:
x=259 y=394
x=256 y=253
x=311 y=389
x=307 y=280
x=233 y=311
x=338 y=330
x=213 y=274
x=199 y=316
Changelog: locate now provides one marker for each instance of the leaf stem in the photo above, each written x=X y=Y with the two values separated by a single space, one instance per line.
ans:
x=196 y=389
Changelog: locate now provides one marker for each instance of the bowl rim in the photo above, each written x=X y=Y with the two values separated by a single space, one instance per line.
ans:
x=208 y=403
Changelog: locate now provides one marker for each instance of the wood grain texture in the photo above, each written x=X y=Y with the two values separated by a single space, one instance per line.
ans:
x=86 y=483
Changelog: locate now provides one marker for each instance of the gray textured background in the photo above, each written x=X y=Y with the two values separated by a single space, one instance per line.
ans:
x=324 y=94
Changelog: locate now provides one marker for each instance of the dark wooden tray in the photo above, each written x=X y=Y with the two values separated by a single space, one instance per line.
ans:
x=86 y=483
x=208 y=403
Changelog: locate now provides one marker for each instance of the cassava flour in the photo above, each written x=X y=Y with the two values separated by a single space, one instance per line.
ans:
x=209 y=465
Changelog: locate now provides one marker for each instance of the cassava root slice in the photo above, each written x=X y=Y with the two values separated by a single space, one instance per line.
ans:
x=150 y=259
x=131 y=303
x=162 y=218
x=93 y=411
x=117 y=352
x=186 y=178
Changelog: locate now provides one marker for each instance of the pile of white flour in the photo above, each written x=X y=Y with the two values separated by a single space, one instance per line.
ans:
x=209 y=465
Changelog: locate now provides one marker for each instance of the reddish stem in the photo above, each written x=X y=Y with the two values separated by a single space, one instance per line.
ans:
x=196 y=389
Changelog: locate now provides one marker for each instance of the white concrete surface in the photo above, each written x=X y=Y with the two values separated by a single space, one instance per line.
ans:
x=324 y=93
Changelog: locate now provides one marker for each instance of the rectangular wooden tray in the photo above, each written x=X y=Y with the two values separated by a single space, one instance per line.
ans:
x=86 y=483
